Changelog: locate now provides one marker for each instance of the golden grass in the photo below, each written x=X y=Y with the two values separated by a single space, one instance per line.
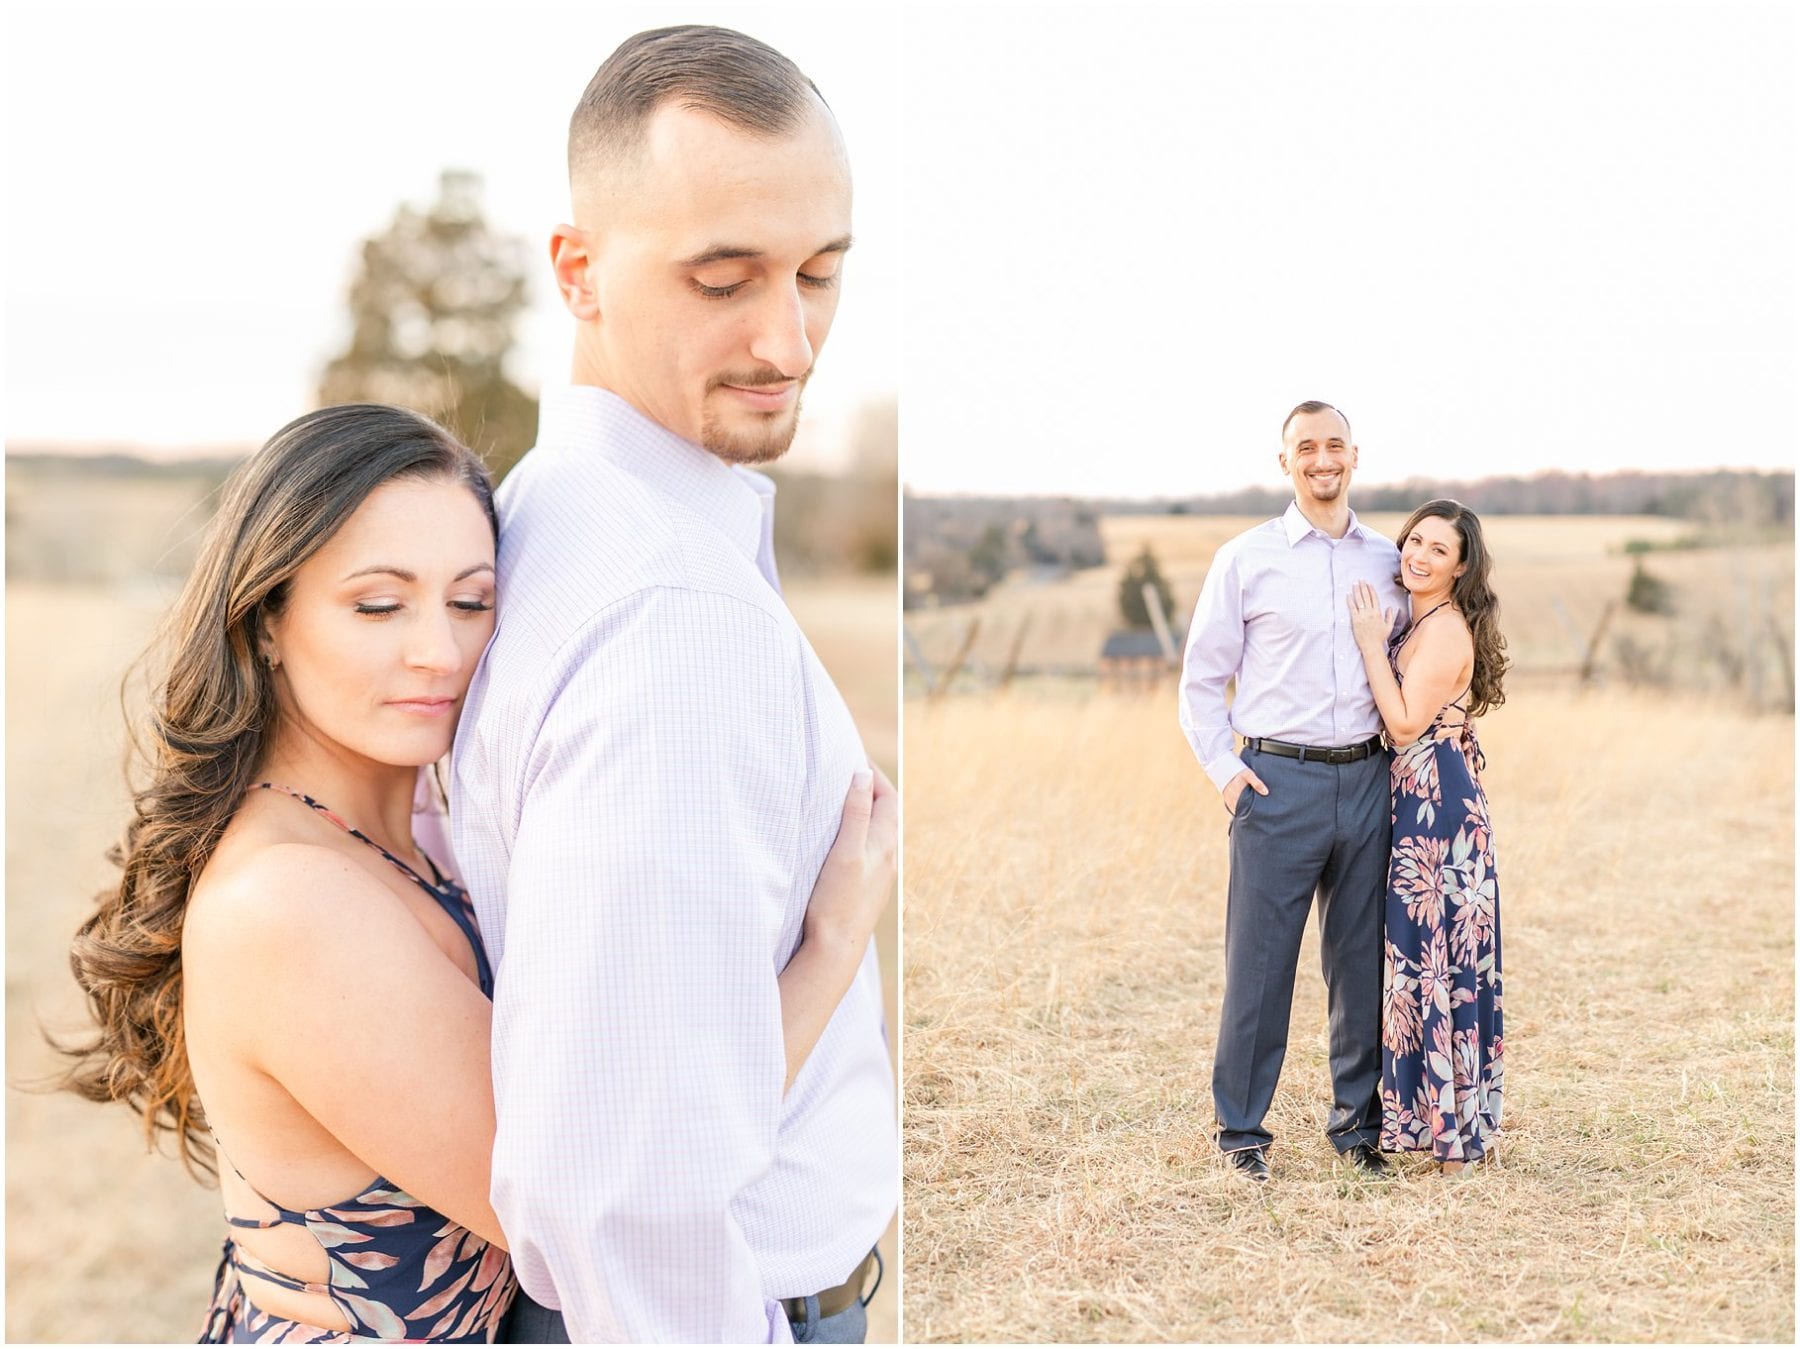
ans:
x=1065 y=866
x=105 y=1242
x=1539 y=561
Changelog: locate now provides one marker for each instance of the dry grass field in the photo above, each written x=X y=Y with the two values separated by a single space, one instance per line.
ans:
x=104 y=1242
x=1723 y=596
x=1065 y=872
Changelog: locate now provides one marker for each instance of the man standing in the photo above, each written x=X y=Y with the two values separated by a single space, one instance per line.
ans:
x=652 y=761
x=1308 y=791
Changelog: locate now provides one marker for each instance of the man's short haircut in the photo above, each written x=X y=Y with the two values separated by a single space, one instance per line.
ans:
x=743 y=82
x=1309 y=406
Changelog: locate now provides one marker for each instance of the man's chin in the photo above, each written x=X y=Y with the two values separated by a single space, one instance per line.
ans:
x=756 y=439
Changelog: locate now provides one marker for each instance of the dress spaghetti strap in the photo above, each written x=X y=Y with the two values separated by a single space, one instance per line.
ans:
x=449 y=895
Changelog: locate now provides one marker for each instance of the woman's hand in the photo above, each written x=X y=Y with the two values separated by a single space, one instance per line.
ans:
x=853 y=887
x=857 y=880
x=1370 y=624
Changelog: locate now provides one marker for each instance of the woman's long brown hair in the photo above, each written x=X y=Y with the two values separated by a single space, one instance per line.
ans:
x=211 y=721
x=1475 y=600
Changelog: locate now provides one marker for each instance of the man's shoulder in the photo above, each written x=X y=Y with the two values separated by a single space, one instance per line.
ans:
x=1377 y=541
x=575 y=511
x=1257 y=539
x=580 y=537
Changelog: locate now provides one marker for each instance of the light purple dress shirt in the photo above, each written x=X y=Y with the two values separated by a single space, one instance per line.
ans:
x=1274 y=614
x=649 y=771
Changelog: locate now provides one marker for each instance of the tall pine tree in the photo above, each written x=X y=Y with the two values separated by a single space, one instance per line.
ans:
x=1143 y=571
x=432 y=311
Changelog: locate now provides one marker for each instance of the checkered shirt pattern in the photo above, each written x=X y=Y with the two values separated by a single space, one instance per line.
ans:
x=1274 y=614
x=649 y=771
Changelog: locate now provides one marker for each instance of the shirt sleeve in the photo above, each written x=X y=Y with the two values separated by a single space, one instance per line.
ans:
x=638 y=1062
x=1215 y=649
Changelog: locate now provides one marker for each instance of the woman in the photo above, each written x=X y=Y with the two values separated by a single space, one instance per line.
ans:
x=1442 y=1056
x=320 y=985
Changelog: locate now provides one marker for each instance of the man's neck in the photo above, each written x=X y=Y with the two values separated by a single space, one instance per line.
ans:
x=1330 y=518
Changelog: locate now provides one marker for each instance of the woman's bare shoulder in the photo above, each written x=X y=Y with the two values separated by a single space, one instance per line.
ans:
x=1448 y=631
x=268 y=890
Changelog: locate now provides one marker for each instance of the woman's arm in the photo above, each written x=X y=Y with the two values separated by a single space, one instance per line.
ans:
x=853 y=888
x=1442 y=655
x=338 y=993
x=342 y=997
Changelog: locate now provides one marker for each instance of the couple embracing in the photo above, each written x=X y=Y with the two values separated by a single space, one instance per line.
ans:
x=1354 y=782
x=626 y=1052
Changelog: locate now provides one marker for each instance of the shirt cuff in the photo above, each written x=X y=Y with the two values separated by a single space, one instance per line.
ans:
x=1224 y=767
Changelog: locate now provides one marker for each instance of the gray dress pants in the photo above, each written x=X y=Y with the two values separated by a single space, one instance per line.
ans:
x=1321 y=834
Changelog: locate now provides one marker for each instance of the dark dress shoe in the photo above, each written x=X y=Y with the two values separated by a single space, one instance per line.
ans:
x=1251 y=1163
x=1367 y=1158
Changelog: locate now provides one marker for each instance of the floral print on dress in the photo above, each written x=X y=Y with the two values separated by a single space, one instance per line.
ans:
x=1443 y=1048
x=399 y=1270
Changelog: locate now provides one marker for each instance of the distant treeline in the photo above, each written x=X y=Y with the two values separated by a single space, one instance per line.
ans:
x=122 y=464
x=109 y=517
x=1720 y=496
x=957 y=548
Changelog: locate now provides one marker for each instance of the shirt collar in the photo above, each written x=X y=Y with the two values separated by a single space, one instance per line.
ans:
x=595 y=421
x=1297 y=527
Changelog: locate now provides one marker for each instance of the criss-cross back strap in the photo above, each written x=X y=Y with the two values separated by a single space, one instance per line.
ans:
x=288 y=1215
x=243 y=1261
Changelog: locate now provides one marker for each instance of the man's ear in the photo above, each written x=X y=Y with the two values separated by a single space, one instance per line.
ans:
x=1281 y=458
x=1353 y=456
x=571 y=260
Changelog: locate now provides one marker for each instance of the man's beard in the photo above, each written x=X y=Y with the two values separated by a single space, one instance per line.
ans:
x=768 y=434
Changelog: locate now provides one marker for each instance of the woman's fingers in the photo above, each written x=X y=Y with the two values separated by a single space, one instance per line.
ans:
x=884 y=820
x=853 y=829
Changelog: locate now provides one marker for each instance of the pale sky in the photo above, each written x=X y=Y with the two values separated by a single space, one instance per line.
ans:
x=1501 y=238
x=1111 y=246
x=188 y=187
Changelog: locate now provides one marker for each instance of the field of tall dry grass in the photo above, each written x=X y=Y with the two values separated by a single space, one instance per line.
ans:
x=105 y=1242
x=1064 y=876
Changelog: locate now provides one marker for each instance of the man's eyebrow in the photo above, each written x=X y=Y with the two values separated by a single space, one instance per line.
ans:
x=735 y=252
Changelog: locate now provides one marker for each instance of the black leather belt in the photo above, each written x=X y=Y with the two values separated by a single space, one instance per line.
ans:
x=1318 y=753
x=834 y=1300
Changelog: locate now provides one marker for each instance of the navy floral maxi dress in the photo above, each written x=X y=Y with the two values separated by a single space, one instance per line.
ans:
x=1443 y=1052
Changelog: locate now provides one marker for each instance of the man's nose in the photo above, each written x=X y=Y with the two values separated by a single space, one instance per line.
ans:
x=780 y=338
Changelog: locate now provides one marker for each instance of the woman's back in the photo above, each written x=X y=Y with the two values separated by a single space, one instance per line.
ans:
x=292 y=927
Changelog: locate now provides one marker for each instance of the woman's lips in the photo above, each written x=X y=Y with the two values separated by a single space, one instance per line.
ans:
x=423 y=707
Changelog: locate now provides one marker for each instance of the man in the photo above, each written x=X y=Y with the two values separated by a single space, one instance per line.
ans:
x=1307 y=792
x=652 y=761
